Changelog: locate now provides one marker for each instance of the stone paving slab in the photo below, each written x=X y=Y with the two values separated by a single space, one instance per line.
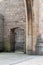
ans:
x=37 y=60
x=13 y=58
x=20 y=59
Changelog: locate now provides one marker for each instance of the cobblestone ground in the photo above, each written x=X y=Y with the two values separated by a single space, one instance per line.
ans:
x=19 y=58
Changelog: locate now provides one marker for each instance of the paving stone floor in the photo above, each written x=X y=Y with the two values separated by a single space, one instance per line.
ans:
x=19 y=58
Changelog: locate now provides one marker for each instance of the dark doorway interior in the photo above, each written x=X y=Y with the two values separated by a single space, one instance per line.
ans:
x=17 y=39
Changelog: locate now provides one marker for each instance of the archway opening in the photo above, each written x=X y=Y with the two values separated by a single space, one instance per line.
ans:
x=17 y=39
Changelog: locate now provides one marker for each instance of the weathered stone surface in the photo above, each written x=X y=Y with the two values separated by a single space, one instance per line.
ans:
x=14 y=15
x=1 y=32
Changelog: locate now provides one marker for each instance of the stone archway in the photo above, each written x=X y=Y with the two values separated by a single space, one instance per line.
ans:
x=17 y=39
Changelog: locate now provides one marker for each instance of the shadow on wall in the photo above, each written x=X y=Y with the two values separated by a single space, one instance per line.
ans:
x=1 y=32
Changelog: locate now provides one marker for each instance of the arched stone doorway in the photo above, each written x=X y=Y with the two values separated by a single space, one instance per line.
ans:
x=17 y=39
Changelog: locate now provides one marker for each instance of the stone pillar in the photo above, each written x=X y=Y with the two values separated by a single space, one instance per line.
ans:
x=35 y=22
x=28 y=27
x=41 y=17
x=32 y=20
x=39 y=45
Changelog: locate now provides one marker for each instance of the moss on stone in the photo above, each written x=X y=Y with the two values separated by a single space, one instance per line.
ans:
x=7 y=45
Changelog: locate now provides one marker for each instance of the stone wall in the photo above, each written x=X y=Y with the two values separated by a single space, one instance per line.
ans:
x=14 y=15
x=1 y=31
